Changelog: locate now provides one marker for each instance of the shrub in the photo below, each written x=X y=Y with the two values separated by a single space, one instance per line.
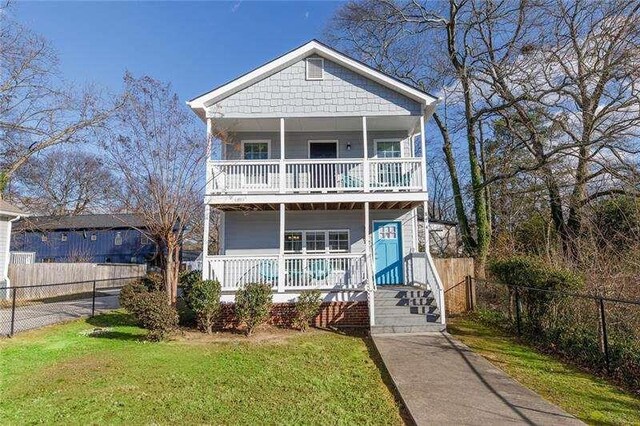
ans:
x=187 y=280
x=128 y=295
x=541 y=281
x=147 y=301
x=253 y=305
x=156 y=314
x=204 y=299
x=307 y=307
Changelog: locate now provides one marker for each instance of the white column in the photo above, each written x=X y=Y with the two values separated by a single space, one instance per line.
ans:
x=281 y=266
x=205 y=242
x=369 y=263
x=423 y=147
x=283 y=172
x=365 y=155
x=208 y=173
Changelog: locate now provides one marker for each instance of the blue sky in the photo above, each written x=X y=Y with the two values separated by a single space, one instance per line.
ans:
x=194 y=45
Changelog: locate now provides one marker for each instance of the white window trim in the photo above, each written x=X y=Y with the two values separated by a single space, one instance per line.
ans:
x=333 y=141
x=64 y=236
x=267 y=141
x=306 y=68
x=375 y=146
x=326 y=236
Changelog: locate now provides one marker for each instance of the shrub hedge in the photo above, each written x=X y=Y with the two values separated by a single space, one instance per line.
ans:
x=307 y=307
x=253 y=305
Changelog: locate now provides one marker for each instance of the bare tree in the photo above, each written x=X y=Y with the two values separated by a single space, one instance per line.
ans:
x=37 y=109
x=158 y=152
x=66 y=182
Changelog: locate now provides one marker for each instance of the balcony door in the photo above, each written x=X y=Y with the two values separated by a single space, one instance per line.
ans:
x=390 y=173
x=322 y=174
x=257 y=176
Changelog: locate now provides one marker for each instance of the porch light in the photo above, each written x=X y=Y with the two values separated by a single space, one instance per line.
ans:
x=348 y=146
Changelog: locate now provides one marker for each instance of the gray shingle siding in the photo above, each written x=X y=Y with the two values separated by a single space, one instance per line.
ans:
x=256 y=233
x=342 y=92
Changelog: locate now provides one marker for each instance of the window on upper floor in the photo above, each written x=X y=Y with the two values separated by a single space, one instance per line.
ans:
x=256 y=150
x=94 y=237
x=315 y=69
x=118 y=239
x=44 y=238
x=64 y=236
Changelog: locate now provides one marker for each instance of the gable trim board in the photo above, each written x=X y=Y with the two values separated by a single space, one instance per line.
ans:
x=314 y=47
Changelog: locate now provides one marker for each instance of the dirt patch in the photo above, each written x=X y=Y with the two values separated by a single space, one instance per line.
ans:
x=265 y=334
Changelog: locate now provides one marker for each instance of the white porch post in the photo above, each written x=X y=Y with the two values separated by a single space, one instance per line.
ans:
x=369 y=263
x=365 y=155
x=207 y=207
x=423 y=147
x=281 y=266
x=283 y=172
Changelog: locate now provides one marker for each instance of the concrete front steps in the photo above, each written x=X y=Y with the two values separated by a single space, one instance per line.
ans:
x=405 y=309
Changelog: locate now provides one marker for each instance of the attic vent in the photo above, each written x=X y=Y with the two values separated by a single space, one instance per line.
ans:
x=315 y=68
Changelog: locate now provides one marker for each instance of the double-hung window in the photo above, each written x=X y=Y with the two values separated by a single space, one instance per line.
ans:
x=256 y=150
x=317 y=241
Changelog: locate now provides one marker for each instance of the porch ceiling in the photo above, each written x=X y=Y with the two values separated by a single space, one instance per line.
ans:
x=318 y=124
x=381 y=205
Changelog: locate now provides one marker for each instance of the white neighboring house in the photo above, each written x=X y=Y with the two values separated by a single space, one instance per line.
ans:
x=318 y=181
x=8 y=215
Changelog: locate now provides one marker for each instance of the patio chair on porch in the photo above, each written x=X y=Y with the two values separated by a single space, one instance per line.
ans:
x=268 y=270
x=319 y=269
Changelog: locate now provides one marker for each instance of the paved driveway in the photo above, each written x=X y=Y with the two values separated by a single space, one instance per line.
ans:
x=443 y=382
x=38 y=315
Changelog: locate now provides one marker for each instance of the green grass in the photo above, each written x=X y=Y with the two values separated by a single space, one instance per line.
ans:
x=591 y=399
x=61 y=375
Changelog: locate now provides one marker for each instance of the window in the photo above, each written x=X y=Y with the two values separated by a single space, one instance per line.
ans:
x=293 y=242
x=256 y=150
x=64 y=236
x=338 y=241
x=94 y=237
x=134 y=259
x=315 y=241
x=118 y=239
x=44 y=238
x=388 y=149
x=388 y=232
x=144 y=239
x=315 y=69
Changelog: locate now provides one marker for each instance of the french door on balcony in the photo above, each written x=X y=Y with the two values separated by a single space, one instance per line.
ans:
x=322 y=175
x=256 y=176
x=388 y=174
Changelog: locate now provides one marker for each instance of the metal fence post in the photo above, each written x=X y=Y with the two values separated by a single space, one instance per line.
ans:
x=518 y=318
x=93 y=299
x=13 y=312
x=605 y=339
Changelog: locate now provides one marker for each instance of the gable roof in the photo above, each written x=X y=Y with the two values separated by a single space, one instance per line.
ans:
x=85 y=221
x=313 y=47
x=7 y=209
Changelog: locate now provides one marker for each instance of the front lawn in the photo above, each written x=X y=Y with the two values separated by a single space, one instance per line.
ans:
x=587 y=397
x=62 y=374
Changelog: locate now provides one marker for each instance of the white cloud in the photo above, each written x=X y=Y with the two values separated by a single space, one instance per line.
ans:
x=236 y=6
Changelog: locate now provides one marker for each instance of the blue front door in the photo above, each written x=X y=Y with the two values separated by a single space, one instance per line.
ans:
x=387 y=246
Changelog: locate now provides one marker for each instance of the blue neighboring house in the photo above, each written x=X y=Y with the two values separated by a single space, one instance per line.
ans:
x=95 y=238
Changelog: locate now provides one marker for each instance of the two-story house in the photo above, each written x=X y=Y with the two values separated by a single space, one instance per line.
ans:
x=318 y=178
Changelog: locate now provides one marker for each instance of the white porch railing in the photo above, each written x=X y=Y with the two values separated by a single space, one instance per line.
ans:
x=316 y=175
x=22 y=257
x=395 y=173
x=245 y=176
x=322 y=271
x=323 y=175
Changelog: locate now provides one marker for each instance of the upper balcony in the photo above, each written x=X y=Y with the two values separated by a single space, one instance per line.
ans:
x=315 y=156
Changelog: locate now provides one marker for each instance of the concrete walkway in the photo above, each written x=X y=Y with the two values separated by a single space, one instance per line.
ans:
x=443 y=382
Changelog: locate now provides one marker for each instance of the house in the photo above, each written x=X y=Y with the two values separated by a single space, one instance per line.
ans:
x=95 y=238
x=317 y=169
x=443 y=238
x=8 y=215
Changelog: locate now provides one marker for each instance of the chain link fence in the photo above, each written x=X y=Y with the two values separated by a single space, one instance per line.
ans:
x=599 y=333
x=30 y=307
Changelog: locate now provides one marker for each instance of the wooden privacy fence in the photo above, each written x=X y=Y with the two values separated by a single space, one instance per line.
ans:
x=38 y=274
x=458 y=290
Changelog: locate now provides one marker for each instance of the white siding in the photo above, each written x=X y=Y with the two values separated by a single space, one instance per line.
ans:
x=4 y=248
